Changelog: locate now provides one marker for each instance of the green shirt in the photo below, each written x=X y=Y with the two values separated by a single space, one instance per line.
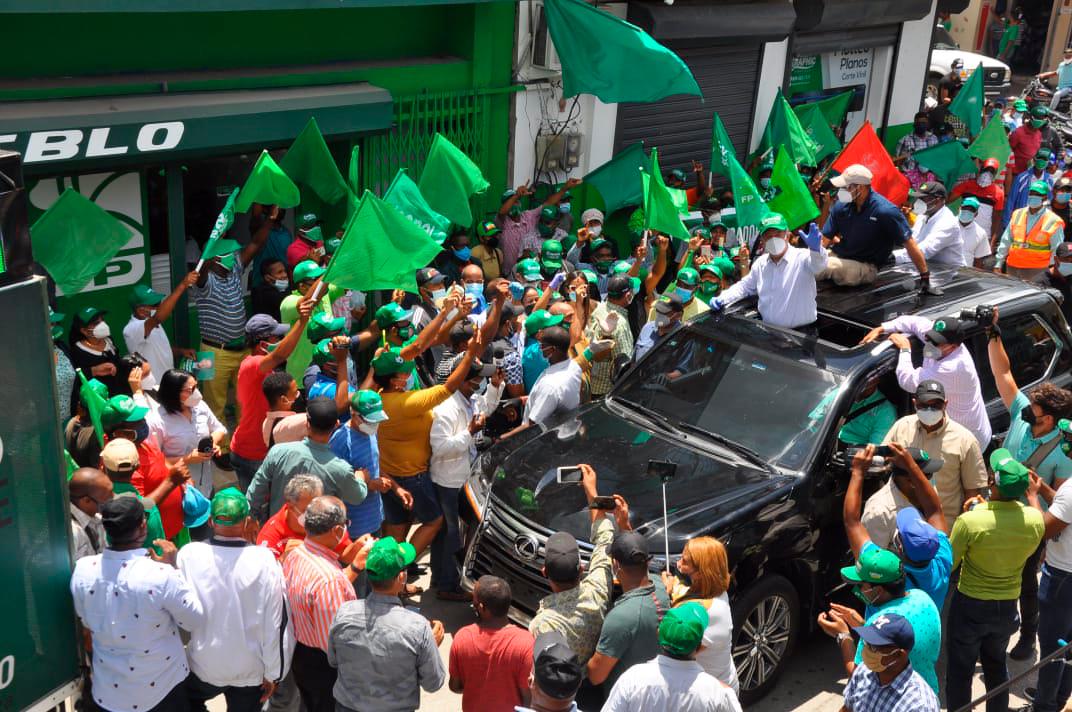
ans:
x=306 y=457
x=302 y=354
x=870 y=426
x=993 y=541
x=631 y=628
x=153 y=522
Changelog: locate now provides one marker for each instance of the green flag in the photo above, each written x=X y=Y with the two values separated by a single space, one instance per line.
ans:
x=791 y=197
x=618 y=180
x=948 y=161
x=448 y=179
x=818 y=128
x=660 y=212
x=746 y=199
x=406 y=197
x=783 y=129
x=353 y=172
x=223 y=223
x=268 y=185
x=625 y=64
x=833 y=108
x=992 y=142
x=95 y=395
x=680 y=198
x=75 y=238
x=381 y=249
x=309 y=164
x=967 y=105
x=721 y=148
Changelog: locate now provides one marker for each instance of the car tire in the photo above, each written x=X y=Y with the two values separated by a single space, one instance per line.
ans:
x=766 y=621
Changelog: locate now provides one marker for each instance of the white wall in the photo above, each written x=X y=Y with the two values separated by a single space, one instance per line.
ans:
x=912 y=63
x=771 y=75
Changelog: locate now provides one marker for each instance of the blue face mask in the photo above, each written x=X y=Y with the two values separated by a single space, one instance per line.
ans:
x=475 y=290
x=462 y=254
x=966 y=216
x=764 y=182
x=563 y=208
x=1034 y=201
x=685 y=294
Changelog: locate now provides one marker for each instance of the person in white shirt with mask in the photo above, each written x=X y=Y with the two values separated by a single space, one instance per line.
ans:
x=145 y=335
x=973 y=238
x=936 y=230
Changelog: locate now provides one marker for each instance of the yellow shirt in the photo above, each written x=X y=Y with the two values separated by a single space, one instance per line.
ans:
x=490 y=261
x=405 y=439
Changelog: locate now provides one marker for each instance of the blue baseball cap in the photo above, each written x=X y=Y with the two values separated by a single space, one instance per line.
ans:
x=919 y=540
x=888 y=629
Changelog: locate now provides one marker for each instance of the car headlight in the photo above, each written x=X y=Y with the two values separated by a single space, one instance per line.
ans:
x=1008 y=76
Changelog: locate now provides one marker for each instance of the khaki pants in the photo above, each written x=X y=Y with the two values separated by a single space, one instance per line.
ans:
x=848 y=273
x=215 y=390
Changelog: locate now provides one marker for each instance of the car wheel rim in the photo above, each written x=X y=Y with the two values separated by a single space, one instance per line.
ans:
x=762 y=641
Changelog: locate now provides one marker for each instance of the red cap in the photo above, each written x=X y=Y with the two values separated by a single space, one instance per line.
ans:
x=992 y=163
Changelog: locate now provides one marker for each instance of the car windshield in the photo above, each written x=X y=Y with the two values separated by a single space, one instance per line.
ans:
x=943 y=40
x=771 y=399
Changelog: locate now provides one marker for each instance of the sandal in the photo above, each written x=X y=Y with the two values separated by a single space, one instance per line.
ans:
x=411 y=590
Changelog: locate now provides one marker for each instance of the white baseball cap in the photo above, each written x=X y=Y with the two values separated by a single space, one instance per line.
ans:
x=855 y=174
x=591 y=214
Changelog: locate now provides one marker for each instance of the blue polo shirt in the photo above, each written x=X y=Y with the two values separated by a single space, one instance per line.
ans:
x=532 y=363
x=360 y=451
x=1056 y=466
x=926 y=623
x=870 y=234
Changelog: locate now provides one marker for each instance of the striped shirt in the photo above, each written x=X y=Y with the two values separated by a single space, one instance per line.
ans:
x=316 y=587
x=221 y=311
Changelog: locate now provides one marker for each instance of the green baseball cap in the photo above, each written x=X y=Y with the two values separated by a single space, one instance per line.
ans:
x=591 y=276
x=369 y=406
x=332 y=245
x=725 y=265
x=121 y=409
x=682 y=628
x=1019 y=105
x=56 y=319
x=507 y=194
x=598 y=243
x=712 y=269
x=1011 y=476
x=620 y=267
x=487 y=229
x=700 y=231
x=529 y=270
x=96 y=387
x=677 y=174
x=551 y=254
x=874 y=566
x=541 y=319
x=716 y=221
x=323 y=325
x=307 y=221
x=391 y=362
x=143 y=294
x=322 y=352
x=88 y=314
x=970 y=203
x=307 y=269
x=774 y=221
x=1039 y=111
x=1043 y=154
x=229 y=507
x=1040 y=187
x=220 y=248
x=549 y=212
x=392 y=313
x=388 y=558
x=688 y=276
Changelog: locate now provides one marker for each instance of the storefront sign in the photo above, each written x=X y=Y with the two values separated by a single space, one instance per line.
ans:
x=807 y=75
x=101 y=142
x=843 y=69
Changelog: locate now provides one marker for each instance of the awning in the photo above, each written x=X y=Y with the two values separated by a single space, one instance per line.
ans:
x=122 y=6
x=827 y=15
x=762 y=21
x=128 y=129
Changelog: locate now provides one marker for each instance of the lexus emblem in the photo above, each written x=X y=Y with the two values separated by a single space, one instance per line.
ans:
x=526 y=546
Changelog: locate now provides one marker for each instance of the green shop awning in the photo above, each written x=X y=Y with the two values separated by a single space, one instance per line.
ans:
x=115 y=130
x=112 y=6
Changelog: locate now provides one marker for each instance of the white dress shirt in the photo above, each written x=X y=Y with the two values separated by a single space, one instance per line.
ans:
x=668 y=685
x=938 y=238
x=975 y=241
x=134 y=607
x=155 y=348
x=786 y=288
x=956 y=372
x=178 y=437
x=242 y=639
x=557 y=390
x=453 y=448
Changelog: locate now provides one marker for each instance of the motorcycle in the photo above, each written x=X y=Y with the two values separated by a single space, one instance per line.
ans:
x=1038 y=92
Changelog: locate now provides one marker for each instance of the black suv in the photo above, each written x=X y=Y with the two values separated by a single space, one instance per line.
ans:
x=750 y=415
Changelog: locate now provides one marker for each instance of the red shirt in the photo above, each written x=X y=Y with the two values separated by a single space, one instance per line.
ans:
x=247 y=441
x=275 y=534
x=152 y=471
x=493 y=666
x=992 y=195
x=1025 y=142
x=299 y=250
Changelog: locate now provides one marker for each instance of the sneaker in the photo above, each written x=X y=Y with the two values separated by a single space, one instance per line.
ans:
x=1024 y=648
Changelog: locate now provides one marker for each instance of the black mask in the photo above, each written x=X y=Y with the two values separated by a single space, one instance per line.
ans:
x=491 y=243
x=1028 y=416
x=141 y=432
x=921 y=129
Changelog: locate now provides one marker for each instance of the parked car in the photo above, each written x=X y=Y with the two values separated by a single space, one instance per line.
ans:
x=997 y=77
x=750 y=413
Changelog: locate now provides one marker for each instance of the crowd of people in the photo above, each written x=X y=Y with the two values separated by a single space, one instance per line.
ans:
x=252 y=528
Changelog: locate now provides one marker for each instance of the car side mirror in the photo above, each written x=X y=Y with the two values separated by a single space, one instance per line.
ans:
x=621 y=365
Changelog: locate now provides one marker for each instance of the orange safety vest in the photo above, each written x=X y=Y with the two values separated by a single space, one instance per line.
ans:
x=1031 y=250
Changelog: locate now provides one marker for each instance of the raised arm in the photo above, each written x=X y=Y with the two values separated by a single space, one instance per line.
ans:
x=556 y=197
x=461 y=370
x=1000 y=366
x=429 y=334
x=286 y=347
x=260 y=236
x=854 y=501
x=168 y=305
x=925 y=492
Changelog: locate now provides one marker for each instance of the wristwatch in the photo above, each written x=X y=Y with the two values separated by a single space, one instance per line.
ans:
x=842 y=637
x=355 y=569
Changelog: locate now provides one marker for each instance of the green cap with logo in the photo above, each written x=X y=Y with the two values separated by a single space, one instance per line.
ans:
x=322 y=325
x=1010 y=476
x=1039 y=187
x=229 y=507
x=369 y=406
x=1019 y=105
x=88 y=314
x=725 y=265
x=529 y=270
x=220 y=248
x=322 y=353
x=874 y=565
x=541 y=319
x=487 y=229
x=591 y=276
x=1039 y=111
x=391 y=362
x=551 y=254
x=332 y=245
x=970 y=203
x=700 y=231
x=56 y=319
x=307 y=221
x=143 y=294
x=388 y=559
x=392 y=313
x=549 y=212
x=688 y=276
x=682 y=628
x=122 y=409
x=774 y=221
x=711 y=268
x=307 y=269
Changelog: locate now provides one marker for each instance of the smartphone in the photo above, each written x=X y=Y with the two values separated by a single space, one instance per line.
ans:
x=204 y=445
x=663 y=469
x=705 y=252
x=601 y=502
x=569 y=475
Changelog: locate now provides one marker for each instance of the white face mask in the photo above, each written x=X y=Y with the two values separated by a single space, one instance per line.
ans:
x=1065 y=268
x=966 y=217
x=368 y=428
x=844 y=196
x=102 y=331
x=932 y=352
x=281 y=284
x=595 y=230
x=930 y=416
x=776 y=246
x=985 y=180
x=661 y=321
x=193 y=399
x=919 y=207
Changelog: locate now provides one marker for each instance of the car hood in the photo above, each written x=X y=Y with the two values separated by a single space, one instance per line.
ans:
x=942 y=59
x=709 y=492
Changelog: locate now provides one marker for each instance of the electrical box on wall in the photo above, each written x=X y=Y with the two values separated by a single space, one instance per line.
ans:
x=550 y=152
x=543 y=52
x=571 y=157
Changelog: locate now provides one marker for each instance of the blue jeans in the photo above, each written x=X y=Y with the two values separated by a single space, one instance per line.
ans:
x=244 y=470
x=978 y=631
x=1055 y=621
x=445 y=574
x=1058 y=95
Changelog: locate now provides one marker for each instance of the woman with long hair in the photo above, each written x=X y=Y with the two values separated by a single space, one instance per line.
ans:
x=185 y=427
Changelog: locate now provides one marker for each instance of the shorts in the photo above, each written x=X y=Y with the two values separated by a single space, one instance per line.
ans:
x=848 y=273
x=425 y=501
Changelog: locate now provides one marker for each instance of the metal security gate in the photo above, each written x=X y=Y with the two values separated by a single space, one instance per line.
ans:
x=680 y=127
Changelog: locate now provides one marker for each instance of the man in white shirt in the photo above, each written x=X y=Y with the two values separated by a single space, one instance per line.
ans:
x=936 y=230
x=455 y=422
x=242 y=647
x=783 y=276
x=144 y=334
x=973 y=238
x=558 y=389
x=88 y=489
x=674 y=680
x=133 y=603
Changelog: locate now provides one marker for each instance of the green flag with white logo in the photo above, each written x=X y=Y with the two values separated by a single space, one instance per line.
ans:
x=406 y=197
x=746 y=199
x=618 y=180
x=791 y=195
x=721 y=148
x=783 y=128
x=967 y=105
x=818 y=129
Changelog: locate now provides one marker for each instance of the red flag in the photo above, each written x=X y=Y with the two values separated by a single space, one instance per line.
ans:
x=866 y=149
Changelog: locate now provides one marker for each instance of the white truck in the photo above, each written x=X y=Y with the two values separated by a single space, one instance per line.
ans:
x=997 y=76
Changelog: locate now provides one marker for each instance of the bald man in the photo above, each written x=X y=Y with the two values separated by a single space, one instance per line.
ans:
x=88 y=488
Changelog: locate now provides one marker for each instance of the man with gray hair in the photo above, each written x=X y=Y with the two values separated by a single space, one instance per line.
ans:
x=316 y=588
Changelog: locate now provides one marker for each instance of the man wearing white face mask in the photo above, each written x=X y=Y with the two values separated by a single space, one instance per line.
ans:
x=783 y=277
x=935 y=231
x=985 y=188
x=669 y=311
x=356 y=443
x=973 y=239
x=144 y=333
